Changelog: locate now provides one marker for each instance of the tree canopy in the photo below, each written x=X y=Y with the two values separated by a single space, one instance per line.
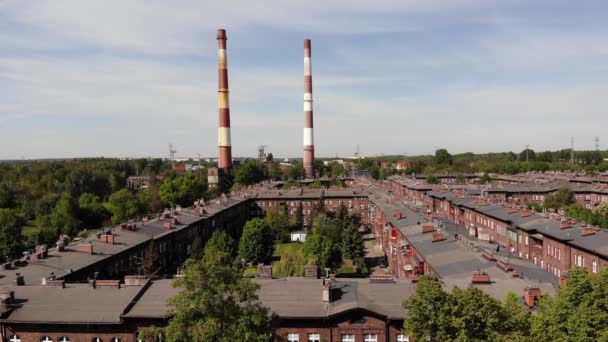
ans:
x=463 y=315
x=216 y=303
x=257 y=243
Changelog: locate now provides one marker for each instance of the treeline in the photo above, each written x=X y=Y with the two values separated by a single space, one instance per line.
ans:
x=503 y=162
x=41 y=200
x=251 y=171
x=577 y=312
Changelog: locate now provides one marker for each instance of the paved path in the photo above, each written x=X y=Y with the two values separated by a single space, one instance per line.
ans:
x=373 y=255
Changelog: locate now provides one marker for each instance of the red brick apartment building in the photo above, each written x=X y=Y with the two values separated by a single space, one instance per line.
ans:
x=551 y=241
x=115 y=311
x=290 y=200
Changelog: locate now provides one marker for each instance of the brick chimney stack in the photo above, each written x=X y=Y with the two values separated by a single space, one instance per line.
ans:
x=309 y=146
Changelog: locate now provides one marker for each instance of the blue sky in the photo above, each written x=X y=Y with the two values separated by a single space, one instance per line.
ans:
x=123 y=78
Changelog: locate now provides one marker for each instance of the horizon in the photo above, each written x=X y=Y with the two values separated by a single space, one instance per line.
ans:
x=471 y=75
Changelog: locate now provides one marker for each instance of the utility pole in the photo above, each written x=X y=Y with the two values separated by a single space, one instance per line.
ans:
x=172 y=155
x=572 y=149
x=596 y=143
x=200 y=177
x=527 y=149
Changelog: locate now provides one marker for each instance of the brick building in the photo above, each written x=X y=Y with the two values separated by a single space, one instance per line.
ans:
x=308 y=199
x=350 y=310
x=551 y=241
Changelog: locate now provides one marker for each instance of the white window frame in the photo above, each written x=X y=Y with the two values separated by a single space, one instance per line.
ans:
x=63 y=339
x=293 y=337
x=46 y=339
x=14 y=338
x=403 y=338
x=314 y=337
x=370 y=338
x=347 y=338
x=594 y=266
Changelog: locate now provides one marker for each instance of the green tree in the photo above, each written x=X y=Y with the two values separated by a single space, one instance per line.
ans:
x=182 y=190
x=527 y=155
x=353 y=246
x=325 y=253
x=275 y=172
x=221 y=244
x=92 y=213
x=564 y=317
x=476 y=314
x=429 y=311
x=64 y=217
x=123 y=206
x=217 y=304
x=291 y=264
x=10 y=234
x=337 y=170
x=431 y=179
x=562 y=198
x=328 y=227
x=545 y=156
x=257 y=244
x=277 y=219
x=516 y=324
x=485 y=179
x=250 y=172
x=443 y=157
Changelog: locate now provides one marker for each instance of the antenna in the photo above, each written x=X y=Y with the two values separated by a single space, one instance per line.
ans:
x=596 y=143
x=261 y=153
x=172 y=155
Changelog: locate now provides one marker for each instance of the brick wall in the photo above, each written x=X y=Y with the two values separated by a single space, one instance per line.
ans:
x=34 y=333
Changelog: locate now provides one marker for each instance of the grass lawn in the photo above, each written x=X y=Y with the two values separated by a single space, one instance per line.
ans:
x=281 y=248
x=295 y=265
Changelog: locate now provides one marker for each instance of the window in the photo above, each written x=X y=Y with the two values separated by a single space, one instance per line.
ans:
x=370 y=338
x=63 y=339
x=46 y=339
x=96 y=339
x=314 y=338
x=402 y=338
x=14 y=338
x=115 y=339
x=291 y=337
x=594 y=265
x=348 y=338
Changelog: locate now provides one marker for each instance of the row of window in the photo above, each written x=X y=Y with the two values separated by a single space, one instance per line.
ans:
x=554 y=252
x=16 y=338
x=314 y=337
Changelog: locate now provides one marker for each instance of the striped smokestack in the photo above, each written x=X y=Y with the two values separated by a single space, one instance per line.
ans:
x=225 y=148
x=309 y=146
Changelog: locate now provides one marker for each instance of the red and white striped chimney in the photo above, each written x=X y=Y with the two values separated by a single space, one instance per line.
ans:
x=225 y=148
x=309 y=145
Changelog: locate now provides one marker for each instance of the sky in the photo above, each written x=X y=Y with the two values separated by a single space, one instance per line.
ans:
x=124 y=78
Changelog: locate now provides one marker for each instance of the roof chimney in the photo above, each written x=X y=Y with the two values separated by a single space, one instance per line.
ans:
x=264 y=271
x=20 y=280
